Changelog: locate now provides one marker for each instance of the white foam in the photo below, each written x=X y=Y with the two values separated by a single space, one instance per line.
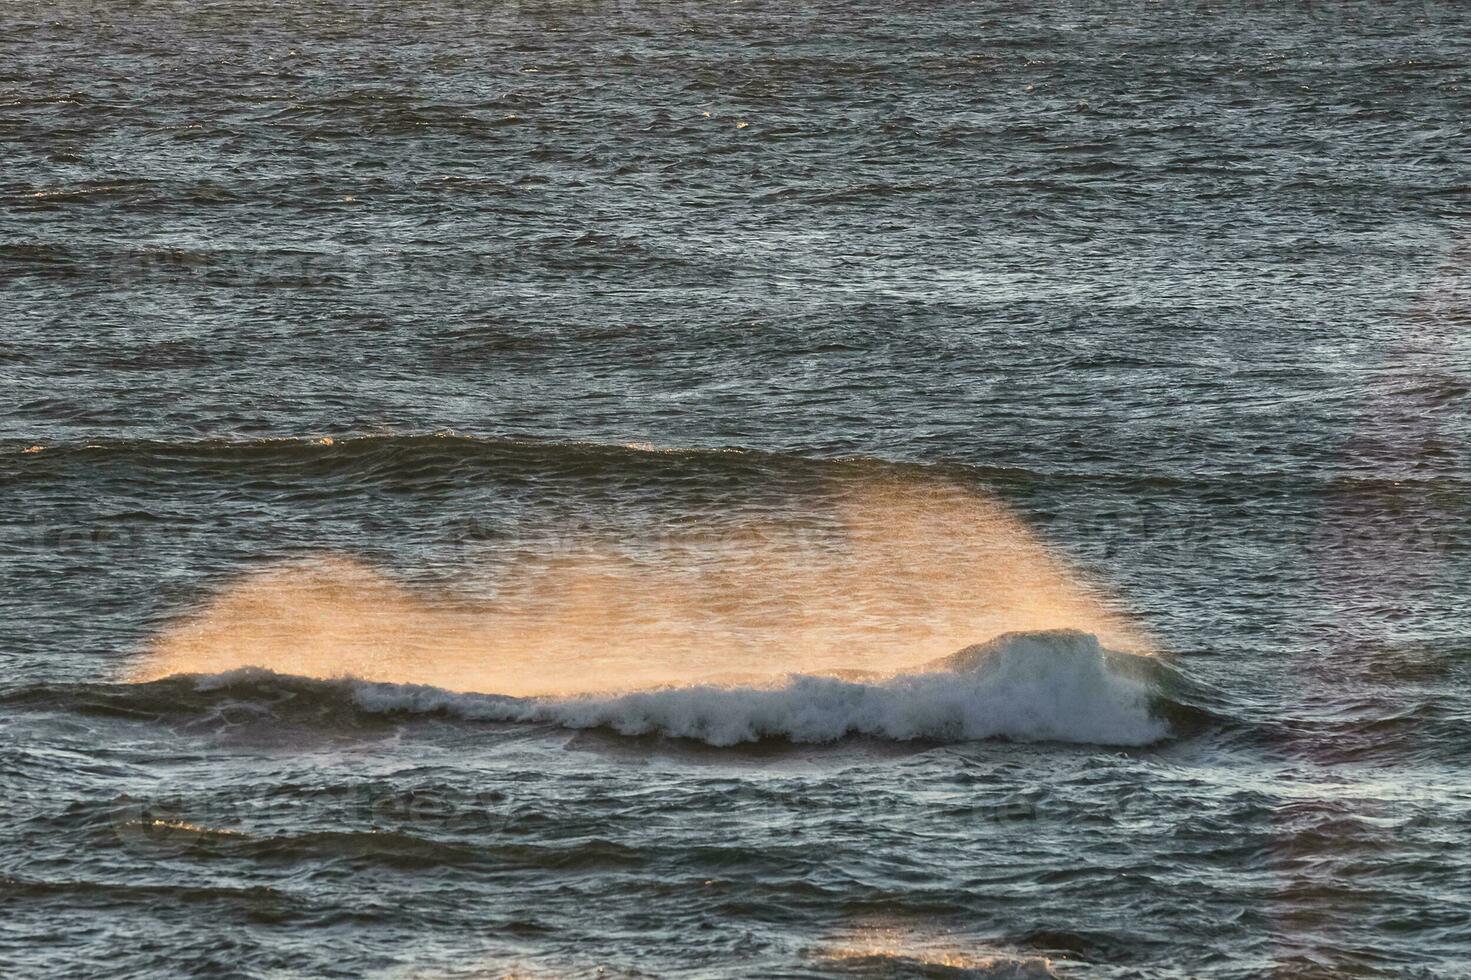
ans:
x=1039 y=686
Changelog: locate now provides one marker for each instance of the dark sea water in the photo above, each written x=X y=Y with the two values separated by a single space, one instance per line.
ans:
x=451 y=361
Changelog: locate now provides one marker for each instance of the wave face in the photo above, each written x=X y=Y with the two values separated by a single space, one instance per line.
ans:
x=1052 y=685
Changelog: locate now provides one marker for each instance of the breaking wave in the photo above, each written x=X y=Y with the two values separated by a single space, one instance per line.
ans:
x=1052 y=685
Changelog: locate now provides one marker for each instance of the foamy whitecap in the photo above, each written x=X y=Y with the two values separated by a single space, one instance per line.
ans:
x=1053 y=685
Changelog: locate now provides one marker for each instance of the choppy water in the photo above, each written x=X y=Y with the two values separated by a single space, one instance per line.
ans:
x=490 y=353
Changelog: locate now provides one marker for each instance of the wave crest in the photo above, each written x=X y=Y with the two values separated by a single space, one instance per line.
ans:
x=1053 y=685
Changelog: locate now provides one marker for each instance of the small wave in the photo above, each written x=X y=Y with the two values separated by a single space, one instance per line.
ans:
x=1057 y=685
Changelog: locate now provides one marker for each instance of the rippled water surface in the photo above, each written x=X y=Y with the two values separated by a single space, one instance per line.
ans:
x=776 y=488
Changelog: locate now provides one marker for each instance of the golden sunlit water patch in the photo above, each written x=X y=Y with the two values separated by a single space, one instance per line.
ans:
x=892 y=950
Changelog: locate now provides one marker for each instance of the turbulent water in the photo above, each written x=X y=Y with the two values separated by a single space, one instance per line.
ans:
x=778 y=488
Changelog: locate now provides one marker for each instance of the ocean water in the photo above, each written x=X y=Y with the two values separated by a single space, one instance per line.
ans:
x=778 y=488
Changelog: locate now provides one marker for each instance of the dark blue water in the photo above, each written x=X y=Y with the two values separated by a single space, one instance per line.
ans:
x=474 y=351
